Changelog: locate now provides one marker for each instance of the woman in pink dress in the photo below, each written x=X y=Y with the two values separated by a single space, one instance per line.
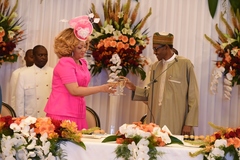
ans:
x=71 y=75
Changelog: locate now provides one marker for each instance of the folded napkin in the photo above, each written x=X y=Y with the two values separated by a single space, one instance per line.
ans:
x=165 y=128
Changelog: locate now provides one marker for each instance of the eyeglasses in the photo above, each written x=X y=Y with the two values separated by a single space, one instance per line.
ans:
x=156 y=48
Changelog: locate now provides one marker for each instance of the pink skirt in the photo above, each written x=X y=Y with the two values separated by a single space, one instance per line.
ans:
x=81 y=123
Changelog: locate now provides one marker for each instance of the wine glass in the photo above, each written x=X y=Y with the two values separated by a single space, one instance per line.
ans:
x=121 y=85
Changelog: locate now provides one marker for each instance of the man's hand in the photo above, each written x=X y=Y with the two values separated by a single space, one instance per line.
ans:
x=129 y=85
x=186 y=130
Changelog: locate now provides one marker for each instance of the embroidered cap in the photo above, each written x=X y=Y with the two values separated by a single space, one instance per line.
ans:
x=163 y=38
x=82 y=27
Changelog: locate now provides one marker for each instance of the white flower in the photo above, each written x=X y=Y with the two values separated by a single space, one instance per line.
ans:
x=228 y=88
x=115 y=68
x=91 y=15
x=15 y=127
x=22 y=154
x=142 y=133
x=133 y=150
x=95 y=35
x=165 y=137
x=31 y=154
x=120 y=14
x=220 y=143
x=127 y=31
x=29 y=120
x=138 y=35
x=217 y=73
x=109 y=29
x=32 y=144
x=227 y=82
x=217 y=152
x=229 y=76
x=96 y=20
x=139 y=151
x=46 y=148
x=11 y=34
x=115 y=59
x=234 y=51
x=116 y=34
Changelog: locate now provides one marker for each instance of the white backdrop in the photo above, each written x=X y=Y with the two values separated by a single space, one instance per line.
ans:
x=188 y=20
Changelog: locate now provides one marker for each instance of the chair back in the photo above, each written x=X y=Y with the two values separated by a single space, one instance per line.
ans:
x=7 y=110
x=92 y=118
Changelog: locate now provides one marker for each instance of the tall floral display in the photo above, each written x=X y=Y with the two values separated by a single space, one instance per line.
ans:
x=10 y=31
x=228 y=51
x=119 y=33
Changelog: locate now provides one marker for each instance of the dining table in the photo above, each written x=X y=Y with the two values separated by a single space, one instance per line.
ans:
x=96 y=150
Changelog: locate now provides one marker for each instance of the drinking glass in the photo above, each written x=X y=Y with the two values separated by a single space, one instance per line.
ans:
x=114 y=84
x=121 y=85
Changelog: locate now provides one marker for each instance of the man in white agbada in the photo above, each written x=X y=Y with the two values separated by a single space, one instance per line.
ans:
x=28 y=63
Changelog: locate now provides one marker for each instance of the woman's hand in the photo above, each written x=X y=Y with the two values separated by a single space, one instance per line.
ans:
x=108 y=88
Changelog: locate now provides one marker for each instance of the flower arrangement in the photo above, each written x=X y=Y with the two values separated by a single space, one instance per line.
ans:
x=36 y=138
x=118 y=34
x=139 y=141
x=10 y=32
x=225 y=142
x=228 y=51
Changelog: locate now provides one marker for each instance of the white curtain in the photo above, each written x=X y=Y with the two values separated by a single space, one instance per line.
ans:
x=188 y=20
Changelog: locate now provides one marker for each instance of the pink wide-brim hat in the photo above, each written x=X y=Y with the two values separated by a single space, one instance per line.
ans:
x=82 y=27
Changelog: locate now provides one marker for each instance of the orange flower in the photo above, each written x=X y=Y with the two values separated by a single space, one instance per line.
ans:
x=113 y=43
x=137 y=49
x=106 y=43
x=2 y=33
x=1 y=125
x=44 y=125
x=210 y=139
x=100 y=44
x=125 y=39
x=120 y=45
x=119 y=140
x=132 y=41
x=234 y=141
x=72 y=126
x=126 y=46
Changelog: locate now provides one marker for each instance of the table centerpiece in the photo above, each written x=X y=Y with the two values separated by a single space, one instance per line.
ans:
x=139 y=141
x=222 y=144
x=36 y=138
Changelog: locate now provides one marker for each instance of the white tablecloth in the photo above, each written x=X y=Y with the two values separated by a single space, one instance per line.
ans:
x=95 y=150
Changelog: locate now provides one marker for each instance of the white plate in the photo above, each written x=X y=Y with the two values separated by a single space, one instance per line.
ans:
x=191 y=145
x=94 y=136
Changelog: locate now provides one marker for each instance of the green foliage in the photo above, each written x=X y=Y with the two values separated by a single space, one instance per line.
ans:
x=123 y=152
x=110 y=138
x=235 y=5
x=212 y=5
x=175 y=140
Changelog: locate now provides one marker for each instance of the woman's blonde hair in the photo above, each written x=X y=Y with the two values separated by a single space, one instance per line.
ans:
x=65 y=43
